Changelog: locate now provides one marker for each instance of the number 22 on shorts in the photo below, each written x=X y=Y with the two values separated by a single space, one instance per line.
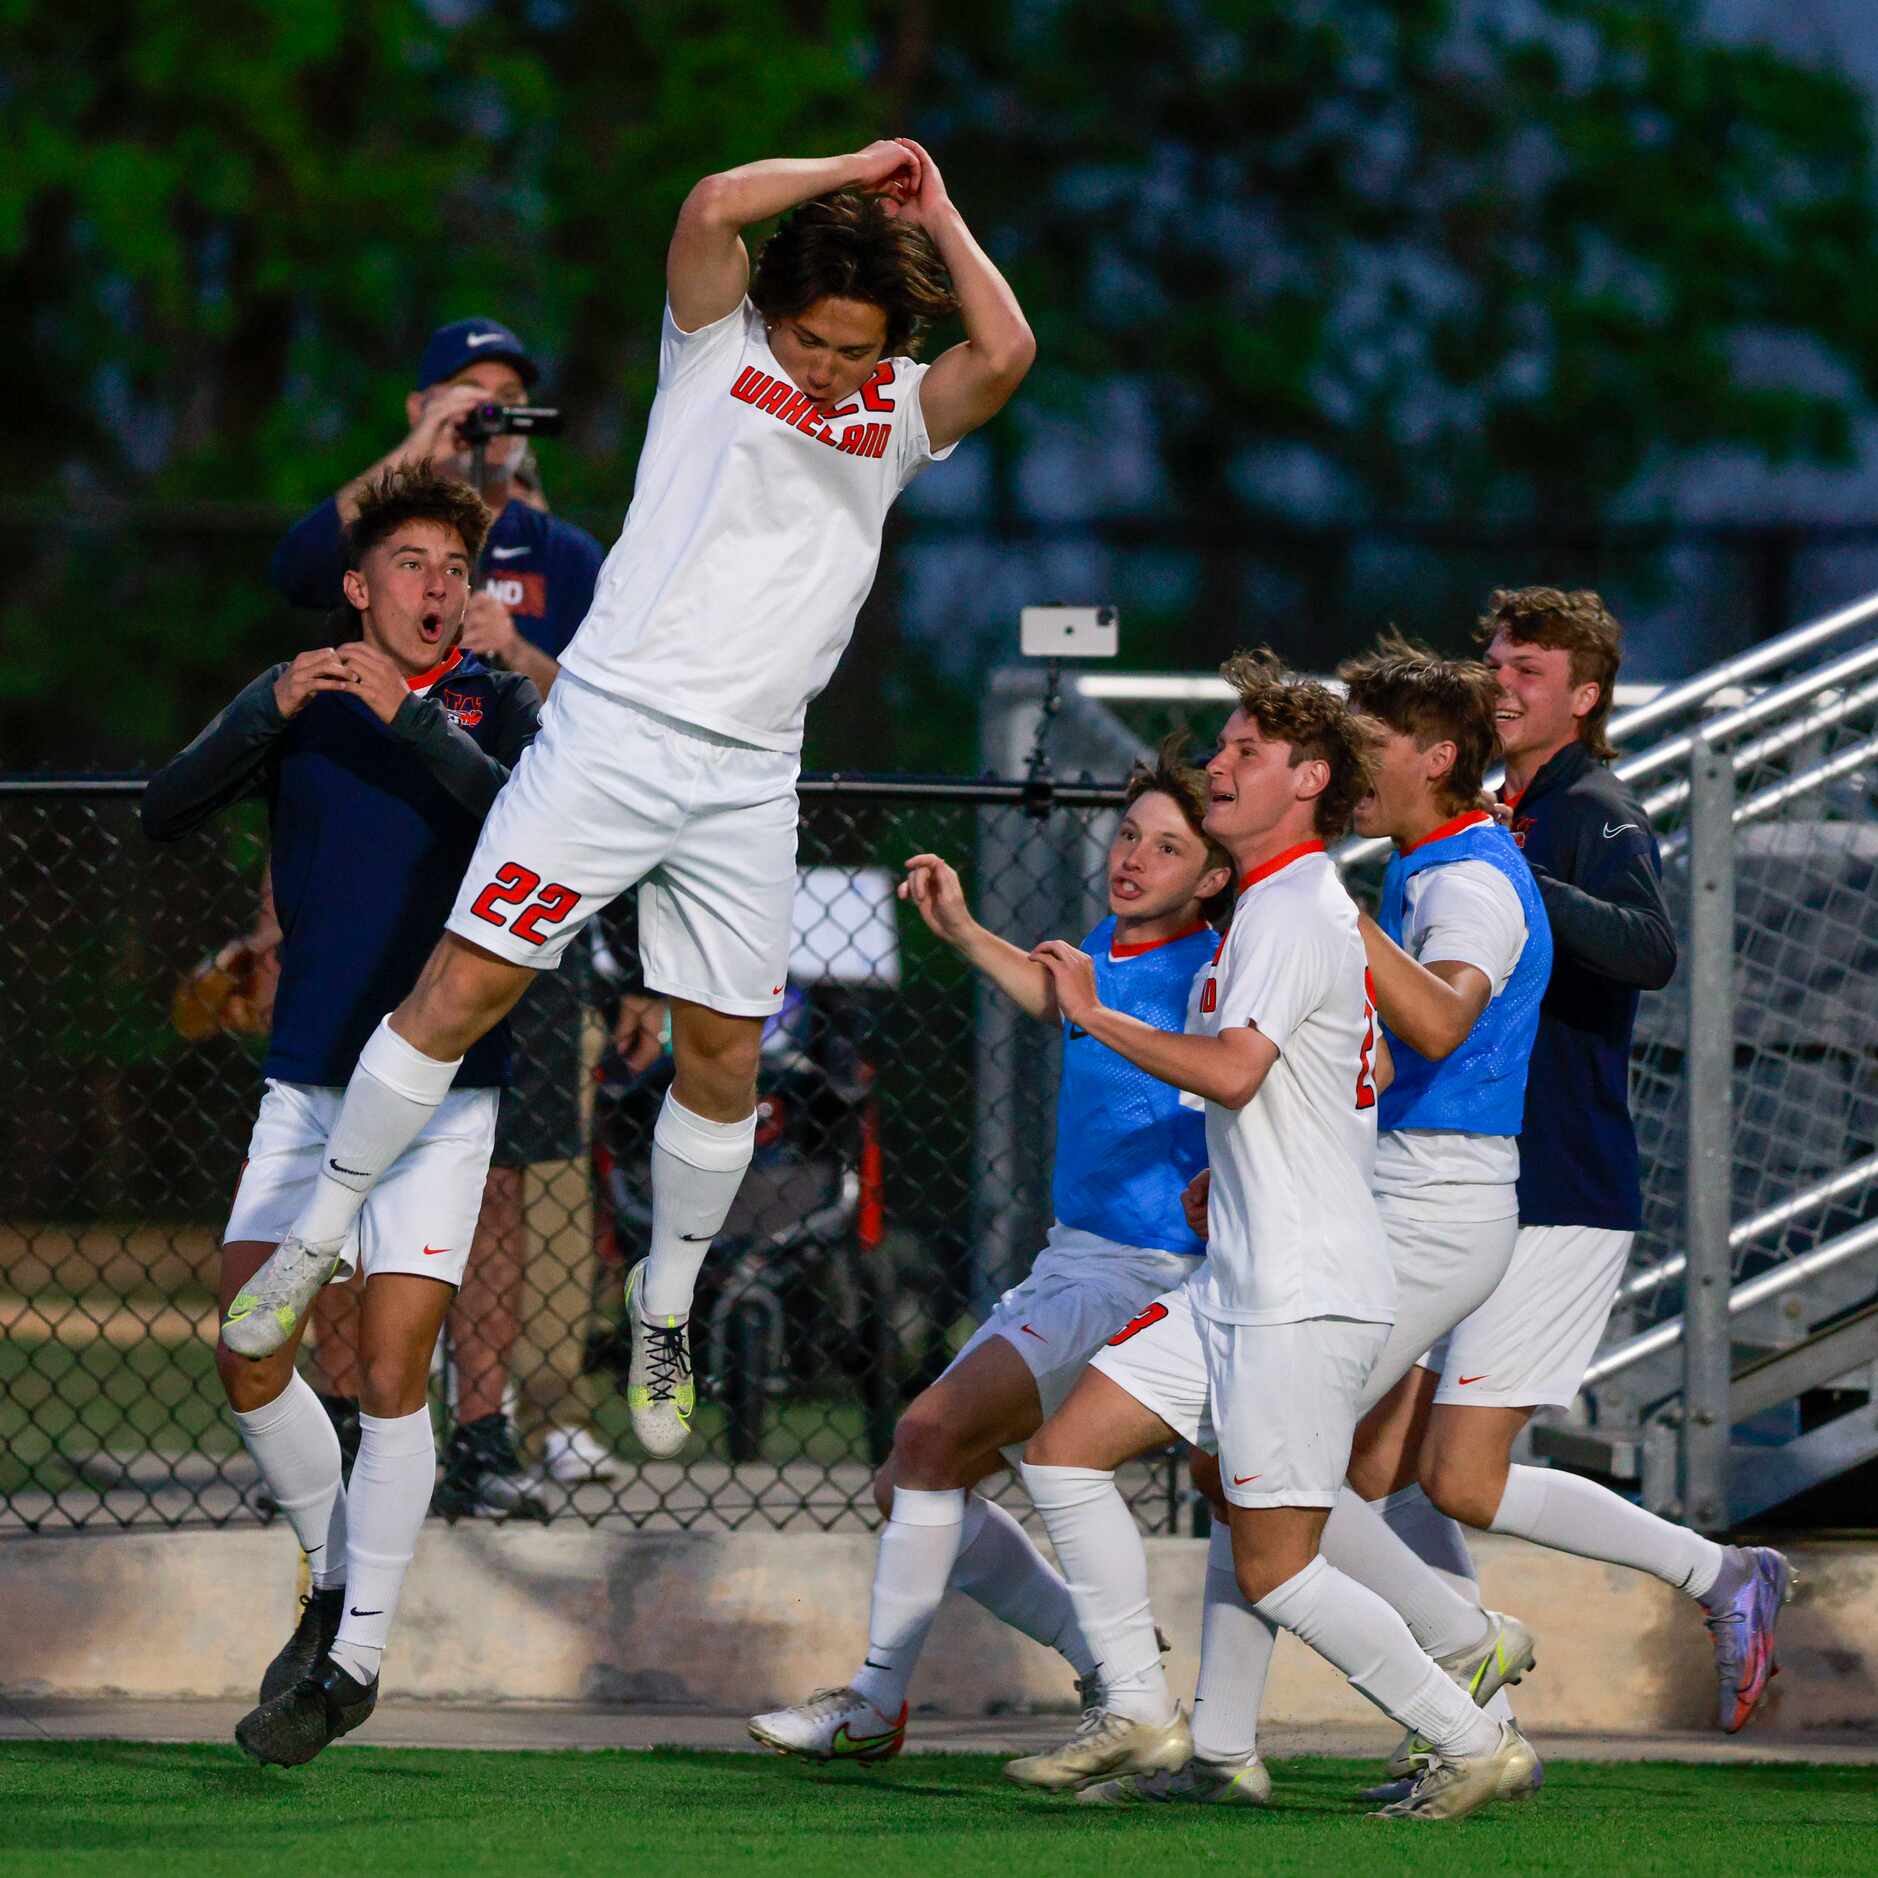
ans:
x=512 y=885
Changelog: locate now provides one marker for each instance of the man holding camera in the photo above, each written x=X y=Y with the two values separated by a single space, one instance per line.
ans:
x=537 y=573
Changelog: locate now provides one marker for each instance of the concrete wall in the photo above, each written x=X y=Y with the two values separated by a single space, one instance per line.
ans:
x=744 y=1621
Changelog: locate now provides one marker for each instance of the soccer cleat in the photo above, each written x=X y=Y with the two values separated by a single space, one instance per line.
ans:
x=312 y=1637
x=1743 y=1632
x=1205 y=1783
x=1104 y=1746
x=1501 y=1657
x=660 y=1394
x=1453 y=1788
x=316 y=1711
x=268 y=1308
x=832 y=1725
x=483 y=1476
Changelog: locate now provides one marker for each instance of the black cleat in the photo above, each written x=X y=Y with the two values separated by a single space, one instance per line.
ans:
x=315 y=1712
x=483 y=1476
x=312 y=1637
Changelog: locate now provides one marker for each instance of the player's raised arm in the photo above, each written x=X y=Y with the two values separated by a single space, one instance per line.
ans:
x=933 y=886
x=707 y=267
x=972 y=383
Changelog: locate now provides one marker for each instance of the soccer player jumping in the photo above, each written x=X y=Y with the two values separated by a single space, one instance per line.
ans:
x=1125 y=1148
x=789 y=417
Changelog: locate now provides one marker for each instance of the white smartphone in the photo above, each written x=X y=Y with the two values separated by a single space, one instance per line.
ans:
x=1069 y=632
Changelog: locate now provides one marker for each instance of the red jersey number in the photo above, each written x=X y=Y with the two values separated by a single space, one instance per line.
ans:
x=514 y=884
x=1365 y=1087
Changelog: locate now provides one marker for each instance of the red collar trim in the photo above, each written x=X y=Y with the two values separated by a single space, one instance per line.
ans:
x=1266 y=869
x=424 y=680
x=1512 y=801
x=1153 y=945
x=1468 y=818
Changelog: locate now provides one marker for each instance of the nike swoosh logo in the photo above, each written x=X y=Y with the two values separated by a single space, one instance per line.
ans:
x=1038 y=1334
x=697 y=1238
x=1611 y=834
x=356 y=1612
x=482 y=339
x=1465 y=1380
x=357 y=1173
x=435 y=1251
x=845 y=1743
x=1239 y=1480
x=507 y=554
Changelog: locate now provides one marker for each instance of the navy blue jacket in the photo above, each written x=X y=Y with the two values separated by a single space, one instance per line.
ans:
x=541 y=568
x=373 y=826
x=1594 y=856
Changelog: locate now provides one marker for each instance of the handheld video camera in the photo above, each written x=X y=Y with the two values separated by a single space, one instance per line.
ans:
x=508 y=420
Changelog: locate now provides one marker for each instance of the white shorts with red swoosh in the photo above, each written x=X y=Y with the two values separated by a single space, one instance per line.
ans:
x=419 y=1218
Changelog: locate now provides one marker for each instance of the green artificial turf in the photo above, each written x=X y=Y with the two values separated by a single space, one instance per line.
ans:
x=152 y=1810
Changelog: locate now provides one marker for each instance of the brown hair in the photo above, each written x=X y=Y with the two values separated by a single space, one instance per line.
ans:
x=1316 y=723
x=420 y=493
x=1582 y=625
x=1186 y=788
x=848 y=245
x=1413 y=690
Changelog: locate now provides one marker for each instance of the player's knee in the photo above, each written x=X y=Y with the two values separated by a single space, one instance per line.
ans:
x=1049 y=1447
x=1454 y=1490
x=925 y=1451
x=1370 y=1474
x=388 y=1388
x=1258 y=1575
x=883 y=1490
x=249 y=1385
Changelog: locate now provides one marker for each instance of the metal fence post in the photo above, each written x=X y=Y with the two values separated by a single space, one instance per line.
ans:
x=1707 y=1363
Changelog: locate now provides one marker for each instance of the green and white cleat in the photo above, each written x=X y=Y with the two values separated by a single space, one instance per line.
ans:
x=1501 y=1657
x=1204 y=1783
x=1104 y=1746
x=1451 y=1789
x=832 y=1725
x=272 y=1304
x=660 y=1394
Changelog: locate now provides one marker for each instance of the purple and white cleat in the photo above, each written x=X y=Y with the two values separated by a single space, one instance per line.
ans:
x=1743 y=1630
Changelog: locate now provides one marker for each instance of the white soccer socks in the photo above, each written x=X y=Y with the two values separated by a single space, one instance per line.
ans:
x=1572 y=1514
x=1105 y=1565
x=394 y=1091
x=294 y=1445
x=697 y=1167
x=999 y=1568
x=1441 y=1544
x=1236 y=1645
x=918 y=1546
x=1361 y=1545
x=1355 y=1630
x=390 y=1494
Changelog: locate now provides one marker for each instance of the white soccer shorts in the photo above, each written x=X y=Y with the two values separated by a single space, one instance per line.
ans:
x=1279 y=1402
x=1081 y=1290
x=1528 y=1346
x=1445 y=1268
x=419 y=1218
x=609 y=796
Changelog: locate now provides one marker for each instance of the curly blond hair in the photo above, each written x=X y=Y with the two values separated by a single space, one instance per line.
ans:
x=1580 y=623
x=1316 y=723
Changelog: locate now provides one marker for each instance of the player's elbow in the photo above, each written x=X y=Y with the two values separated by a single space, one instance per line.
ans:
x=712 y=204
x=1008 y=360
x=1658 y=963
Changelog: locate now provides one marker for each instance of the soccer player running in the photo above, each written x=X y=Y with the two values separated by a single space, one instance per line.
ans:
x=1292 y=1306
x=377 y=761
x=1585 y=836
x=1459 y=962
x=1126 y=1146
x=789 y=417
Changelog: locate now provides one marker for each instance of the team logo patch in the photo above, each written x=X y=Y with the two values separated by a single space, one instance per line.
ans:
x=462 y=709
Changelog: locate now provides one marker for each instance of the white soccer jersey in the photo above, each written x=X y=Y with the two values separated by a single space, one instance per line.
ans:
x=1469 y=912
x=753 y=534
x=1294 y=1232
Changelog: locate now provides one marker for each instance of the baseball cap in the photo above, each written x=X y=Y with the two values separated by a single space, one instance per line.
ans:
x=450 y=348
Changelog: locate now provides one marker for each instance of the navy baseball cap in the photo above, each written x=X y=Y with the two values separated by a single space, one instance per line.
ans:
x=450 y=348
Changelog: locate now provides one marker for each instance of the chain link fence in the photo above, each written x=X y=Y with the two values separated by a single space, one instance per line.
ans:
x=893 y=1127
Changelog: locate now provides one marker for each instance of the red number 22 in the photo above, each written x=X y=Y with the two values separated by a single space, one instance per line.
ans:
x=512 y=885
x=1365 y=1088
